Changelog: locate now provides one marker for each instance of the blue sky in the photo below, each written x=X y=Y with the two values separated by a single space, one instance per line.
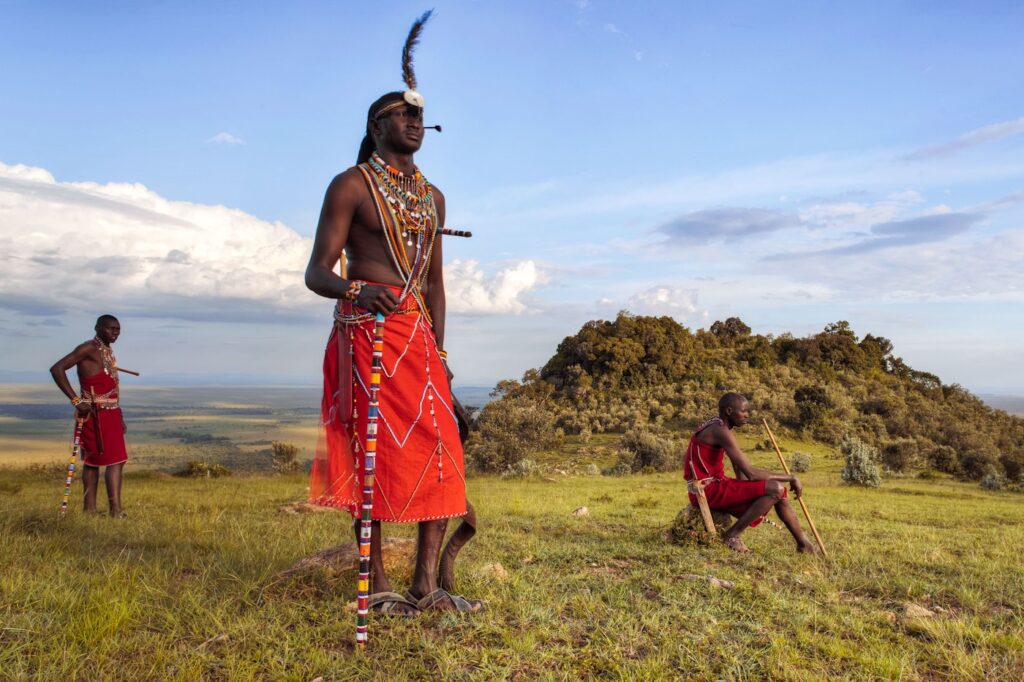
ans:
x=789 y=163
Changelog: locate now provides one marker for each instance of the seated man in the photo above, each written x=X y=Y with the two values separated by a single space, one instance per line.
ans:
x=749 y=500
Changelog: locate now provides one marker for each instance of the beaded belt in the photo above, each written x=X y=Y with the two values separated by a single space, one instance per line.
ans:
x=347 y=309
x=103 y=403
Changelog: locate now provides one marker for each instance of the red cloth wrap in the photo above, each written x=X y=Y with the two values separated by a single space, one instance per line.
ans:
x=419 y=472
x=724 y=493
x=109 y=448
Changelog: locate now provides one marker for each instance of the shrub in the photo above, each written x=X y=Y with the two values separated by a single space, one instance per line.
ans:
x=800 y=462
x=524 y=468
x=1013 y=465
x=993 y=481
x=284 y=457
x=620 y=468
x=943 y=458
x=975 y=464
x=900 y=455
x=640 y=448
x=592 y=470
x=198 y=469
x=508 y=430
x=859 y=466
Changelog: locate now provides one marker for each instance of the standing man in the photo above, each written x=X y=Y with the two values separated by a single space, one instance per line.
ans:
x=384 y=216
x=751 y=495
x=104 y=427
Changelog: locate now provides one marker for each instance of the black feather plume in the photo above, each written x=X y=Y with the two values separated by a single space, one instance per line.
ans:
x=408 y=75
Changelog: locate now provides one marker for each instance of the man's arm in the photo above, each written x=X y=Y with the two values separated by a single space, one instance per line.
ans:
x=742 y=466
x=59 y=371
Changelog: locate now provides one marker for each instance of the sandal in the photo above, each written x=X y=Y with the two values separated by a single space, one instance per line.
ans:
x=384 y=603
x=436 y=599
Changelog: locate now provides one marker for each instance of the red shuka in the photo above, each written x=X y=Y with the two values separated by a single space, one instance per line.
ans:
x=106 y=447
x=419 y=472
x=724 y=493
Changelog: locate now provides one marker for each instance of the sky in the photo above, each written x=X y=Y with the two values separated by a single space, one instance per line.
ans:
x=789 y=163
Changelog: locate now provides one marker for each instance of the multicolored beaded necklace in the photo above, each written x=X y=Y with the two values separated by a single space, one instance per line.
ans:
x=108 y=359
x=410 y=199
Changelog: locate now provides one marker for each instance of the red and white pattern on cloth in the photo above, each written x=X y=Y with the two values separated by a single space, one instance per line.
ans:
x=420 y=474
x=103 y=443
x=723 y=493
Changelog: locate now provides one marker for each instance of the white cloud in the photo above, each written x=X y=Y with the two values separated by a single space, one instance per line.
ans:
x=678 y=302
x=989 y=133
x=468 y=293
x=226 y=139
x=120 y=246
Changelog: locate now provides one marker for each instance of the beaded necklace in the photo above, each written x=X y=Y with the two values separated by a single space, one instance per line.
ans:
x=108 y=359
x=410 y=200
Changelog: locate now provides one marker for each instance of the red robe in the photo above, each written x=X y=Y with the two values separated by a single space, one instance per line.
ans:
x=419 y=472
x=724 y=493
x=107 y=446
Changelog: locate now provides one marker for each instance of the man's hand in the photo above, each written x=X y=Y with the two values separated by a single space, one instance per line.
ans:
x=797 y=487
x=83 y=409
x=377 y=299
x=448 y=371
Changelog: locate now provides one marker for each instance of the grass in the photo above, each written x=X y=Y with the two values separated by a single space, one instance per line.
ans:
x=178 y=590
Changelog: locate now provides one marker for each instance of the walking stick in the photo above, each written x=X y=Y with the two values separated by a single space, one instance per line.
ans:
x=702 y=502
x=801 y=498
x=76 y=448
x=369 y=464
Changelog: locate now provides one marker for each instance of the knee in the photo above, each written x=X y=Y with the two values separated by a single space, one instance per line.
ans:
x=775 y=490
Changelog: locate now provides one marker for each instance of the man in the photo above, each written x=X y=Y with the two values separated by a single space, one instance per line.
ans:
x=748 y=497
x=386 y=217
x=104 y=428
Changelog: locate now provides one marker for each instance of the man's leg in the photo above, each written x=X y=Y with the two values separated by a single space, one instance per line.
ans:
x=112 y=476
x=788 y=515
x=463 y=534
x=428 y=549
x=90 y=480
x=378 y=576
x=773 y=495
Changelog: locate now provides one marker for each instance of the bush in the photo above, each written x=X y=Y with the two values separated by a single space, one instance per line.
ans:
x=859 y=466
x=509 y=430
x=640 y=449
x=800 y=462
x=975 y=464
x=993 y=481
x=592 y=470
x=524 y=468
x=900 y=455
x=284 y=457
x=620 y=468
x=197 y=469
x=943 y=458
x=1013 y=465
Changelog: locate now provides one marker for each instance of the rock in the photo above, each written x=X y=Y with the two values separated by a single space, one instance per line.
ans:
x=581 y=511
x=494 y=571
x=344 y=558
x=912 y=610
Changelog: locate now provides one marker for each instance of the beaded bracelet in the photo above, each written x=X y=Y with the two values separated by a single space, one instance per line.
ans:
x=354 y=287
x=75 y=401
x=443 y=354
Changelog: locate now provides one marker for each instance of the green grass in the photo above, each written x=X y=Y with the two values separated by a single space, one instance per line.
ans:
x=177 y=590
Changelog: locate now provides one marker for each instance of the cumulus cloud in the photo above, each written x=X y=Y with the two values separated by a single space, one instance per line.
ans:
x=678 y=302
x=121 y=246
x=226 y=139
x=468 y=292
x=989 y=133
x=720 y=224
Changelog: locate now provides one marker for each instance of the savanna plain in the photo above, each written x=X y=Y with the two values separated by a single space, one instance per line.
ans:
x=923 y=581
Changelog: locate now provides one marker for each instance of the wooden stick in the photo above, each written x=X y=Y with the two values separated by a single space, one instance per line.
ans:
x=454 y=233
x=702 y=503
x=369 y=467
x=800 y=499
x=128 y=371
x=76 y=448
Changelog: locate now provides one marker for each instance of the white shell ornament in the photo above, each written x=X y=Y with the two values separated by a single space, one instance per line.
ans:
x=414 y=98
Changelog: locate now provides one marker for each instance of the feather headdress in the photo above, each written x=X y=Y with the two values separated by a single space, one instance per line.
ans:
x=408 y=73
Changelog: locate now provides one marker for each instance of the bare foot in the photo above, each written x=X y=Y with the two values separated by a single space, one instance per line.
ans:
x=736 y=545
x=807 y=548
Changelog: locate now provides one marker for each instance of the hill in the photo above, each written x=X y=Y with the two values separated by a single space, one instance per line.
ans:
x=637 y=373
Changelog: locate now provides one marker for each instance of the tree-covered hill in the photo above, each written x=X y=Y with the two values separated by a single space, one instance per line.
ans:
x=637 y=373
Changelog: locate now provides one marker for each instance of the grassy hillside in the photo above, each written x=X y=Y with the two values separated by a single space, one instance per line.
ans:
x=178 y=590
